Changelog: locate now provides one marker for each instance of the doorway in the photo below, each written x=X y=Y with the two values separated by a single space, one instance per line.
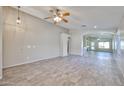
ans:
x=97 y=44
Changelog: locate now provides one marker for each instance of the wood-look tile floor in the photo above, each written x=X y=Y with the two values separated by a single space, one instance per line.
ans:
x=100 y=69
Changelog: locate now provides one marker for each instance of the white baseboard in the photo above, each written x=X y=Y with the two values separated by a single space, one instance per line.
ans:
x=27 y=62
x=75 y=53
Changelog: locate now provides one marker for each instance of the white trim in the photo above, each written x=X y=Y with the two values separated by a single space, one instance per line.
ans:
x=74 y=53
x=27 y=62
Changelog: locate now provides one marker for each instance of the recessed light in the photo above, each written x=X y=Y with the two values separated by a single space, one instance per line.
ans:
x=84 y=25
x=95 y=26
x=98 y=39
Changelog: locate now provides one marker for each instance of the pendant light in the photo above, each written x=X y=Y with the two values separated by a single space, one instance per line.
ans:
x=18 y=21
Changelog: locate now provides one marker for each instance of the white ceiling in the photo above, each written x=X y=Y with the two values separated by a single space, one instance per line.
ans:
x=103 y=17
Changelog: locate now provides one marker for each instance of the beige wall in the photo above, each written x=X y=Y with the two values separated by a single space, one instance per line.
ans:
x=1 y=26
x=30 y=41
x=75 y=42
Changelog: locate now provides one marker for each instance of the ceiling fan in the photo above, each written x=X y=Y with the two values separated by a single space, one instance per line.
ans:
x=58 y=15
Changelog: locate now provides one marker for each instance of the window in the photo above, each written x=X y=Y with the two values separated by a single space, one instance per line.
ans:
x=122 y=44
x=92 y=45
x=104 y=45
x=101 y=45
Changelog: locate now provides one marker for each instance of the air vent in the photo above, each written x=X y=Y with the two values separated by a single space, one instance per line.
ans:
x=84 y=25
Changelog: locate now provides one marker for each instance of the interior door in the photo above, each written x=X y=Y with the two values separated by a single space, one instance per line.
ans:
x=68 y=46
x=64 y=44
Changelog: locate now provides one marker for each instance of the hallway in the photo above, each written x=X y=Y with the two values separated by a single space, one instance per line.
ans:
x=98 y=69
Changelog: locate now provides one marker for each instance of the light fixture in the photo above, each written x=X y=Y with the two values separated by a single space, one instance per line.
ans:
x=84 y=25
x=98 y=39
x=57 y=19
x=18 y=21
x=95 y=27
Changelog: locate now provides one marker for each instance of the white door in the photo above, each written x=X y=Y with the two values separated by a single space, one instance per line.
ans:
x=64 y=44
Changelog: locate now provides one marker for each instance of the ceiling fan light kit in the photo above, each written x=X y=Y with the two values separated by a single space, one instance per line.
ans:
x=58 y=16
x=57 y=19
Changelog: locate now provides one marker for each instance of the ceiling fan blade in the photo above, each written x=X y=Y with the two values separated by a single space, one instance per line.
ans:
x=57 y=12
x=51 y=11
x=48 y=17
x=65 y=20
x=66 y=14
x=55 y=22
